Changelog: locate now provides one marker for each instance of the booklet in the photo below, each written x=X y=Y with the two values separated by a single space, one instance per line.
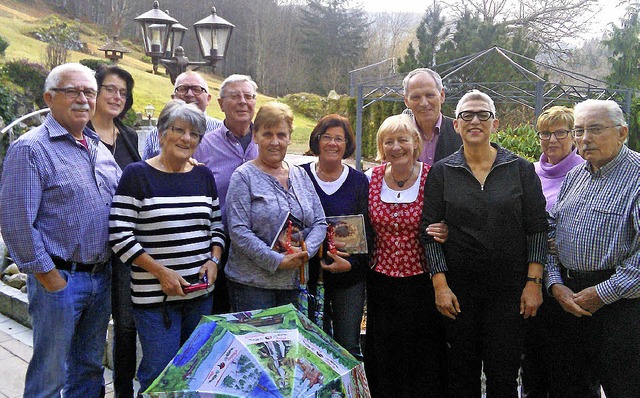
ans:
x=289 y=235
x=347 y=234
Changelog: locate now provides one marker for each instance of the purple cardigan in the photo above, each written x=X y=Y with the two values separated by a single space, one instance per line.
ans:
x=552 y=175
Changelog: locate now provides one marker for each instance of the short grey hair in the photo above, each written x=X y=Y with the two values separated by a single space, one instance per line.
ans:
x=179 y=110
x=56 y=74
x=436 y=77
x=611 y=107
x=237 y=78
x=475 y=95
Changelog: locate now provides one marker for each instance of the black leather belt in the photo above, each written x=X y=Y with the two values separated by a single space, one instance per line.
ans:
x=77 y=267
x=587 y=275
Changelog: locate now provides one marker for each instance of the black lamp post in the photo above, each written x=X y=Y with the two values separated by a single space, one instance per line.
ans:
x=163 y=37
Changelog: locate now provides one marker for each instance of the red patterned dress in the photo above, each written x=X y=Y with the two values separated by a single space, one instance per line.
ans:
x=404 y=350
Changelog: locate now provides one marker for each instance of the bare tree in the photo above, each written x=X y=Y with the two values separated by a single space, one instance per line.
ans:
x=54 y=55
x=389 y=35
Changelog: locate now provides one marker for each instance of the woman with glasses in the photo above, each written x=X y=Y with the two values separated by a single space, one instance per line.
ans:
x=264 y=194
x=114 y=99
x=165 y=222
x=342 y=191
x=404 y=350
x=487 y=276
x=559 y=155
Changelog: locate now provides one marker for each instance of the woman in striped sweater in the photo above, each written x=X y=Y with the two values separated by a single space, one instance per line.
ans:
x=165 y=222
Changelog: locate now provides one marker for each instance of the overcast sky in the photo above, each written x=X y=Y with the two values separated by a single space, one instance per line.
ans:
x=609 y=12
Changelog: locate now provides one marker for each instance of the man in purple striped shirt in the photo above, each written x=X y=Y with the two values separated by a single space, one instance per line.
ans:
x=595 y=275
x=57 y=185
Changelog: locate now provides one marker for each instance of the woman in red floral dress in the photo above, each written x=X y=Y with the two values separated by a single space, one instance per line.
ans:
x=404 y=352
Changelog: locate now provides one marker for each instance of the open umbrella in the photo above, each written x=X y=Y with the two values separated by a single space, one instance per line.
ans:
x=277 y=352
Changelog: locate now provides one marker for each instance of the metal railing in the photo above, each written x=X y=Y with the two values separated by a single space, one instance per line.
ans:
x=9 y=127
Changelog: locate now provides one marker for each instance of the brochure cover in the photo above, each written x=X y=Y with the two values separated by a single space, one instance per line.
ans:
x=347 y=234
x=289 y=235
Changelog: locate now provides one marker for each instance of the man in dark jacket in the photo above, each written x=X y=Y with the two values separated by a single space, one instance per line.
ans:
x=424 y=96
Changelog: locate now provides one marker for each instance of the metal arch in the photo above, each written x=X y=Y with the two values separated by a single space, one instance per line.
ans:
x=9 y=127
x=535 y=92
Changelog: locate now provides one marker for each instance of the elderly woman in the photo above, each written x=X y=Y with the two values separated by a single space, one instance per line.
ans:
x=559 y=155
x=404 y=351
x=165 y=222
x=262 y=194
x=487 y=277
x=342 y=191
x=115 y=98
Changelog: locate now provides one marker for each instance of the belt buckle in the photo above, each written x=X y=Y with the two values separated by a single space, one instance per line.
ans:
x=569 y=276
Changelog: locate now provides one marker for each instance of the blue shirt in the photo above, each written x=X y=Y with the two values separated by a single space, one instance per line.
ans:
x=152 y=142
x=56 y=196
x=596 y=225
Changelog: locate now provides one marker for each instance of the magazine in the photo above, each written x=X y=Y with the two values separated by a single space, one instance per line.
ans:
x=289 y=235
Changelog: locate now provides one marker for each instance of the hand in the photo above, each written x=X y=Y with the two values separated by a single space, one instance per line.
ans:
x=588 y=299
x=439 y=231
x=530 y=300
x=564 y=296
x=446 y=301
x=194 y=162
x=339 y=264
x=171 y=282
x=52 y=281
x=211 y=269
x=294 y=261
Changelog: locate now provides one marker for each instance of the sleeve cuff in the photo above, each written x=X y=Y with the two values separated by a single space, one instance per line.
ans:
x=607 y=292
x=537 y=245
x=435 y=258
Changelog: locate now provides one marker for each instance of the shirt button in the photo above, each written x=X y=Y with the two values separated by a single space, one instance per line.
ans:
x=395 y=214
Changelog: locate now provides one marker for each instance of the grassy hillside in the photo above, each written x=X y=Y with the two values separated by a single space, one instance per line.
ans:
x=18 y=19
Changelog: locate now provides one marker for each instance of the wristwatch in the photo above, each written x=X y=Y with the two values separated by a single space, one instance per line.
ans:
x=537 y=281
x=215 y=259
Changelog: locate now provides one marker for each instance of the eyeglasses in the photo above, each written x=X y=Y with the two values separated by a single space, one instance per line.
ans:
x=595 y=130
x=73 y=93
x=196 y=90
x=193 y=135
x=327 y=139
x=546 y=135
x=235 y=96
x=468 y=116
x=113 y=90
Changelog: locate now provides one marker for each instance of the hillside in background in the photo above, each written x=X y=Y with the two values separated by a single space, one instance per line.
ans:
x=19 y=19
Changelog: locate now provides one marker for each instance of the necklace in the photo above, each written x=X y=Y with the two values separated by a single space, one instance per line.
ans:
x=401 y=183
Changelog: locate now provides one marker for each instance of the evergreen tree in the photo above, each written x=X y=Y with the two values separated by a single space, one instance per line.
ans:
x=334 y=41
x=431 y=32
x=625 y=49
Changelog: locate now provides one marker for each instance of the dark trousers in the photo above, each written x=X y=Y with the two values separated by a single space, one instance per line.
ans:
x=404 y=350
x=487 y=334
x=221 y=303
x=536 y=351
x=124 y=329
x=601 y=349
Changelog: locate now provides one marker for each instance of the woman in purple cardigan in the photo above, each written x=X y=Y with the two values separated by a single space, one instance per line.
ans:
x=559 y=155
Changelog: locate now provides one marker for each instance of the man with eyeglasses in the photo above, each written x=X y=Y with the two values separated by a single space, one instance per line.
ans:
x=595 y=275
x=424 y=96
x=226 y=148
x=57 y=185
x=192 y=88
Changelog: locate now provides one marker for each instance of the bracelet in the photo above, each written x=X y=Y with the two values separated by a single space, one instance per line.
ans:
x=215 y=259
x=537 y=281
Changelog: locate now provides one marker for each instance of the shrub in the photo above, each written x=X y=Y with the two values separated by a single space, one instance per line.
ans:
x=3 y=45
x=61 y=34
x=54 y=55
x=28 y=75
x=6 y=105
x=94 y=63
x=521 y=140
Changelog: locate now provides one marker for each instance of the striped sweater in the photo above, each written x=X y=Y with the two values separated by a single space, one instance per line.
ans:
x=173 y=217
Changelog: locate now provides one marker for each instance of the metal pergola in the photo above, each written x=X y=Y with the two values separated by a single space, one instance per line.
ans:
x=532 y=92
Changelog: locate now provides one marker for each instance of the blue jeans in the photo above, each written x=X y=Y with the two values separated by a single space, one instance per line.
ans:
x=69 y=335
x=343 y=313
x=249 y=298
x=161 y=343
x=124 y=328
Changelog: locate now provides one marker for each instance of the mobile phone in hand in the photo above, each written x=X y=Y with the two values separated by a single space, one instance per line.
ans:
x=200 y=284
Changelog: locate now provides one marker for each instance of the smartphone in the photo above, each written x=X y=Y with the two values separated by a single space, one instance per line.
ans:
x=199 y=284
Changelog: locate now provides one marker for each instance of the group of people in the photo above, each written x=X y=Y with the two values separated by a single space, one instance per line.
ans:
x=476 y=255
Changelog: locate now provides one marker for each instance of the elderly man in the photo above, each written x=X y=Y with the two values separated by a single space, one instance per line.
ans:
x=595 y=276
x=57 y=186
x=190 y=87
x=424 y=95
